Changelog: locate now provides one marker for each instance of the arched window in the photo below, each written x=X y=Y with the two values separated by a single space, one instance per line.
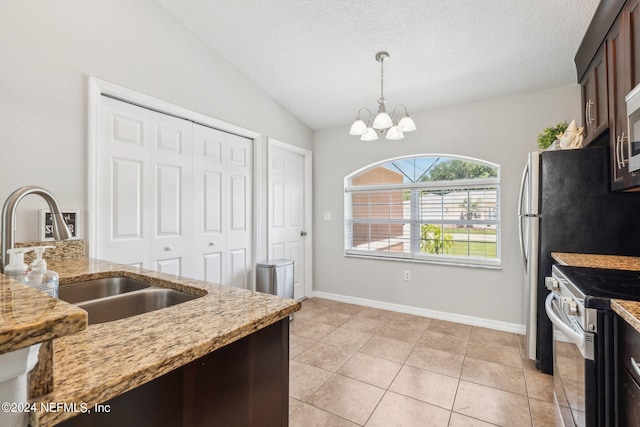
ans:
x=439 y=208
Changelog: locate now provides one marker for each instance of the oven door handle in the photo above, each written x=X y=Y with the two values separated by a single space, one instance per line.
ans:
x=575 y=337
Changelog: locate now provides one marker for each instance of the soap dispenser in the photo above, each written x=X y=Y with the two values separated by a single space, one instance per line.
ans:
x=16 y=268
x=39 y=277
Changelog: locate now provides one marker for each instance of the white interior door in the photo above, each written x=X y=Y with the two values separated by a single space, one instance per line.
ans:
x=289 y=227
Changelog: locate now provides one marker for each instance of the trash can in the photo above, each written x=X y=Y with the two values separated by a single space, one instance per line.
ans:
x=275 y=276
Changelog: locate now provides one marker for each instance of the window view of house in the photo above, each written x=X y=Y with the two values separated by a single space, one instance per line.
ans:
x=439 y=208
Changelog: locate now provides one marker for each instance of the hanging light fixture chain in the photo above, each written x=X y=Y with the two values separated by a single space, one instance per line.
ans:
x=382 y=77
x=380 y=57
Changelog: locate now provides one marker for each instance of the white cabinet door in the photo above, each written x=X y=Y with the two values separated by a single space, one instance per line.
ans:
x=223 y=211
x=287 y=215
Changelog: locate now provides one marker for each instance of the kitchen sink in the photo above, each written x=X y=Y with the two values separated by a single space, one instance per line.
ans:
x=99 y=288
x=132 y=303
x=114 y=298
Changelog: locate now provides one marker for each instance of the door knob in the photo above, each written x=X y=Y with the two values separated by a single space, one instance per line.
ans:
x=168 y=248
x=303 y=233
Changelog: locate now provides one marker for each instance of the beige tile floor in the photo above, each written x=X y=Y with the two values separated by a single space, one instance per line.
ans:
x=358 y=366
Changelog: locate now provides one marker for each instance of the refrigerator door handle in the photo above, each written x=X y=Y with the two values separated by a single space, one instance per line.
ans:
x=521 y=215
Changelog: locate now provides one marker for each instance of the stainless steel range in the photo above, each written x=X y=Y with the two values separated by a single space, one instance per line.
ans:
x=583 y=360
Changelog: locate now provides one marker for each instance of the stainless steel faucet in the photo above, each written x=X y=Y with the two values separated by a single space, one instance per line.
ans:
x=60 y=230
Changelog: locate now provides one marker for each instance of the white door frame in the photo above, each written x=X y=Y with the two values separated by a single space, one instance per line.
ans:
x=98 y=87
x=308 y=205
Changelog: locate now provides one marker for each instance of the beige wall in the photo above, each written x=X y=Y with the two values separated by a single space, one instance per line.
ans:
x=500 y=131
x=50 y=48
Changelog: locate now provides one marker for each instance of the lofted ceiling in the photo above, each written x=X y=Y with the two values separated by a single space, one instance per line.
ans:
x=316 y=57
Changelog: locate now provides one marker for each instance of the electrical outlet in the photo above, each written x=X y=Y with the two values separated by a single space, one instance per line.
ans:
x=407 y=275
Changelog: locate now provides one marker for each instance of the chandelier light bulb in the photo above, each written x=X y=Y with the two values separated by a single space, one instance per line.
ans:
x=370 y=135
x=406 y=124
x=382 y=121
x=394 y=133
x=358 y=128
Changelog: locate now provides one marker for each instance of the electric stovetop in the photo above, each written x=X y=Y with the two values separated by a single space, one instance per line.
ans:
x=598 y=285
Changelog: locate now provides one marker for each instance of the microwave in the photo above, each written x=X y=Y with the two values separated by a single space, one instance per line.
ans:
x=633 y=138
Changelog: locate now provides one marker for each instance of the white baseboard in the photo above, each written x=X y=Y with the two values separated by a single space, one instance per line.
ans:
x=451 y=317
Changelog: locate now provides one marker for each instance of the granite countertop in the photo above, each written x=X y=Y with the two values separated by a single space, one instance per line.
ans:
x=31 y=317
x=614 y=262
x=108 y=359
x=628 y=310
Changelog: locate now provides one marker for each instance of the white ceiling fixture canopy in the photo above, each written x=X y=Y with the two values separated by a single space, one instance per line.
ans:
x=444 y=52
x=368 y=131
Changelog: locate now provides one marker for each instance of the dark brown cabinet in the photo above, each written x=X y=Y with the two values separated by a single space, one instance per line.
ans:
x=614 y=36
x=618 y=87
x=244 y=384
x=626 y=76
x=631 y=13
x=594 y=95
x=627 y=374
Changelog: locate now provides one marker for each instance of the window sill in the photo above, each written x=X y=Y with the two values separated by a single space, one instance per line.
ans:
x=496 y=265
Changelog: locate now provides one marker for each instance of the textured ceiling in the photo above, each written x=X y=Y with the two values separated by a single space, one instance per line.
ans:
x=316 y=57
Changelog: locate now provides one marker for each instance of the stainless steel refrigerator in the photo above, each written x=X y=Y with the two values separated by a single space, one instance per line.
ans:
x=566 y=205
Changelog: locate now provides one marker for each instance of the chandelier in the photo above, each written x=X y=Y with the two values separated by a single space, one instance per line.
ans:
x=369 y=128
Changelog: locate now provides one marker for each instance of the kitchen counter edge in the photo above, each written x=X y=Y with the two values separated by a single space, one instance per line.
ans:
x=629 y=311
x=30 y=317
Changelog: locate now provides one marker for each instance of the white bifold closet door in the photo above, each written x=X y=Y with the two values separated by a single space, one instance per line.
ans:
x=173 y=196
x=223 y=206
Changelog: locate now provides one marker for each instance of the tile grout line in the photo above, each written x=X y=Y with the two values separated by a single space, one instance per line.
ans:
x=385 y=390
x=333 y=374
x=526 y=385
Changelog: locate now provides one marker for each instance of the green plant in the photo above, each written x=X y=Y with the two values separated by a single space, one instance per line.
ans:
x=459 y=169
x=432 y=240
x=550 y=134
